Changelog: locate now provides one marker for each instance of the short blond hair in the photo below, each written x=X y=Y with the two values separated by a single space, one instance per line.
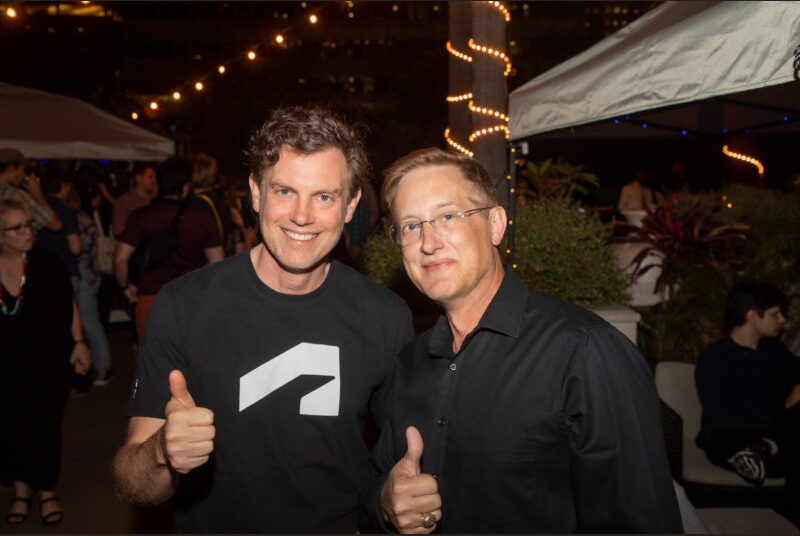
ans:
x=471 y=169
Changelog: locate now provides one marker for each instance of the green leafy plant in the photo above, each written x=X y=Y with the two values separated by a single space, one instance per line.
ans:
x=551 y=180
x=563 y=250
x=383 y=260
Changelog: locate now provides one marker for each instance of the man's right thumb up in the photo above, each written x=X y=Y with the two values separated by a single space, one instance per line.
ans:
x=414 y=451
x=178 y=389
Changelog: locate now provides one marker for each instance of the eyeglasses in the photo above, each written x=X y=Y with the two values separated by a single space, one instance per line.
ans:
x=20 y=228
x=411 y=231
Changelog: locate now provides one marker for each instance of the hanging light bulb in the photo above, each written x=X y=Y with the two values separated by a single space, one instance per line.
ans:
x=279 y=39
x=251 y=55
x=221 y=69
x=153 y=105
x=199 y=86
x=176 y=95
x=11 y=12
x=134 y=116
x=313 y=19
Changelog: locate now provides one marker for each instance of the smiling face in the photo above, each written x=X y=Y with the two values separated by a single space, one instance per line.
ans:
x=302 y=206
x=449 y=269
x=12 y=241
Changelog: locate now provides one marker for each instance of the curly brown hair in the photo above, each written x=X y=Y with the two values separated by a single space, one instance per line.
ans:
x=308 y=130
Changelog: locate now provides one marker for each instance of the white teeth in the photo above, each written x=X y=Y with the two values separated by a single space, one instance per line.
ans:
x=298 y=236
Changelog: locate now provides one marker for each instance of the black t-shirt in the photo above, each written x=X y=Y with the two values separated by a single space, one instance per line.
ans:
x=289 y=379
x=57 y=240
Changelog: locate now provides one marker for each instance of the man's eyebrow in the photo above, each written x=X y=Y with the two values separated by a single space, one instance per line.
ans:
x=437 y=206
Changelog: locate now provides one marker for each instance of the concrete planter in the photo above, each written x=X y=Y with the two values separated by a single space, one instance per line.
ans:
x=621 y=317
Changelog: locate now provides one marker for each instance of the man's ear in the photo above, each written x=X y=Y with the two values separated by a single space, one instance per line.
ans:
x=351 y=206
x=497 y=222
x=255 y=194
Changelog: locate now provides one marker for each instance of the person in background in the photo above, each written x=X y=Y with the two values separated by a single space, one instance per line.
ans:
x=636 y=195
x=17 y=186
x=143 y=190
x=87 y=199
x=205 y=191
x=749 y=389
x=198 y=236
x=42 y=340
x=66 y=242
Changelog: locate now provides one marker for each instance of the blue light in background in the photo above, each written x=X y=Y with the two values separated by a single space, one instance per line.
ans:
x=644 y=125
x=616 y=121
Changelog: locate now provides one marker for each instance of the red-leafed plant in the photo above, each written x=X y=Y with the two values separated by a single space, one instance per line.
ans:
x=689 y=236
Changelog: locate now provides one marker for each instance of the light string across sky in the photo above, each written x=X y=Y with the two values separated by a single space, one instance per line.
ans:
x=279 y=39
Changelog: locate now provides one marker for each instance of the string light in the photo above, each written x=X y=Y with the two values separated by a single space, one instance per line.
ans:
x=221 y=69
x=176 y=95
x=459 y=98
x=486 y=111
x=199 y=86
x=279 y=39
x=501 y=8
x=134 y=116
x=251 y=55
x=744 y=158
x=313 y=19
x=491 y=52
x=490 y=130
x=153 y=105
x=460 y=55
x=11 y=12
x=457 y=146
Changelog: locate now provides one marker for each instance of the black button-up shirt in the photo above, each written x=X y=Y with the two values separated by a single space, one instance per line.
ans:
x=546 y=420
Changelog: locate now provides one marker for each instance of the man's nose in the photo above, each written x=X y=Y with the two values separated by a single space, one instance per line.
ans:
x=431 y=241
x=302 y=213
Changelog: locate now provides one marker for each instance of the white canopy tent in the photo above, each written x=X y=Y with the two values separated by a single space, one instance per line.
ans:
x=674 y=70
x=46 y=125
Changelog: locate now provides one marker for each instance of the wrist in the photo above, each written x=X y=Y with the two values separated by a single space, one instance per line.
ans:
x=120 y=286
x=79 y=340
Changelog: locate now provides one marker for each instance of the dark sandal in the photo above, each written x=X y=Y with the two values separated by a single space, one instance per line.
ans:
x=17 y=518
x=53 y=517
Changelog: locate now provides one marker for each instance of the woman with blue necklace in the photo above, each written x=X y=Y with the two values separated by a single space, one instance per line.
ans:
x=41 y=340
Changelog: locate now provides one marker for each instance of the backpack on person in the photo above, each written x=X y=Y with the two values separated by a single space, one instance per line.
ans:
x=157 y=249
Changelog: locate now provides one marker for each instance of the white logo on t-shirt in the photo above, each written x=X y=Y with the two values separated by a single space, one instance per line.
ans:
x=303 y=359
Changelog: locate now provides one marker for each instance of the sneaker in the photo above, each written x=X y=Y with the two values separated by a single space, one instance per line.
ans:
x=103 y=377
x=749 y=464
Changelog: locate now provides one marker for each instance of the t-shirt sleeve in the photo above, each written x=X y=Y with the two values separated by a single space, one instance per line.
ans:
x=134 y=233
x=618 y=464
x=162 y=350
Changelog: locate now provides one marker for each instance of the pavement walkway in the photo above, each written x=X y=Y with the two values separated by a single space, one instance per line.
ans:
x=93 y=428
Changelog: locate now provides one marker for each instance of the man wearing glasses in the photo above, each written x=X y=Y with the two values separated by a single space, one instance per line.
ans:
x=517 y=412
x=15 y=185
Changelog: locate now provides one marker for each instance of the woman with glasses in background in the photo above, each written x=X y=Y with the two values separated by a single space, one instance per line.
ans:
x=41 y=339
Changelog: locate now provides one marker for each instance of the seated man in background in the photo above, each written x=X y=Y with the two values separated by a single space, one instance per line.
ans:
x=536 y=414
x=749 y=386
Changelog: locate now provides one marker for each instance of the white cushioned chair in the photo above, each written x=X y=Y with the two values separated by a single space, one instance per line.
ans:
x=676 y=388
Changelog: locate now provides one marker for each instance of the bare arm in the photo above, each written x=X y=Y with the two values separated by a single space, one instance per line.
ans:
x=794 y=397
x=214 y=254
x=81 y=357
x=75 y=243
x=141 y=473
x=122 y=254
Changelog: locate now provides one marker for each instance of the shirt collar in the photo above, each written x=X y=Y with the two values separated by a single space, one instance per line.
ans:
x=504 y=315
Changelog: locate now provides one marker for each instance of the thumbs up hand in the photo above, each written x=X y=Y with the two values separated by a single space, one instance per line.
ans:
x=188 y=434
x=409 y=498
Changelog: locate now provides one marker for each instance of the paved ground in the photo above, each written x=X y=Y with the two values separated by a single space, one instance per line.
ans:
x=93 y=428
